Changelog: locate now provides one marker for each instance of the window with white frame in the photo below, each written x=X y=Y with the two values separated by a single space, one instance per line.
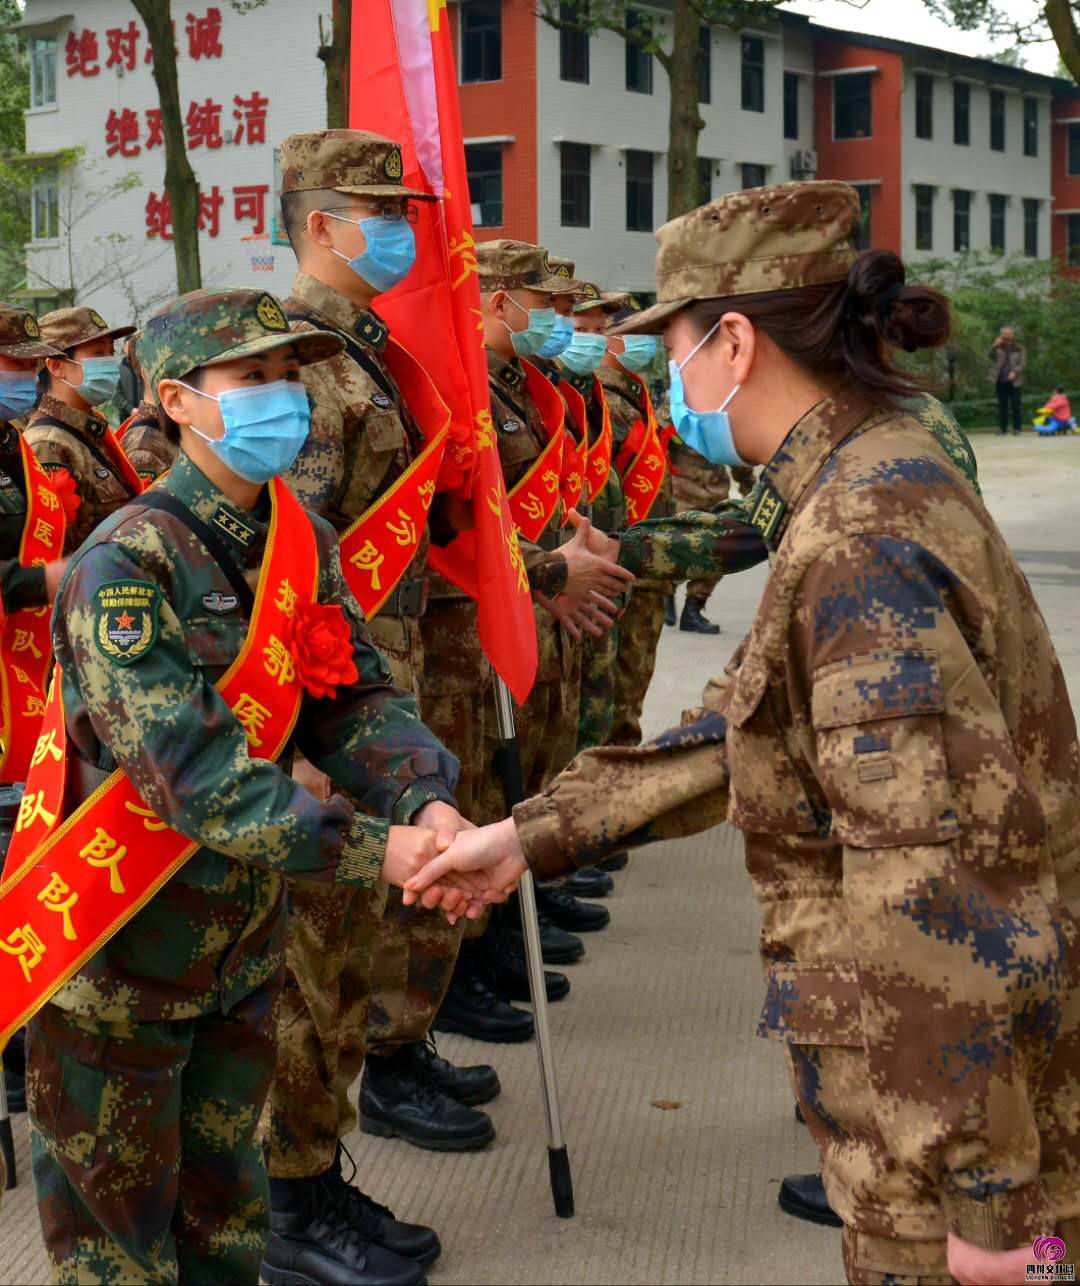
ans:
x=45 y=205
x=42 y=51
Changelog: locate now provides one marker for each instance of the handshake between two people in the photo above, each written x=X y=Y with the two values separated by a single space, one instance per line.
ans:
x=593 y=580
x=443 y=861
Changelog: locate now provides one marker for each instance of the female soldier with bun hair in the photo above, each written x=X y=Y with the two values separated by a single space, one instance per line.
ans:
x=894 y=738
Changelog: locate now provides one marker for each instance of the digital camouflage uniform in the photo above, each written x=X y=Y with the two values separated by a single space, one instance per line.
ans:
x=546 y=724
x=364 y=972
x=642 y=621
x=896 y=741
x=65 y=438
x=596 y=707
x=145 y=444
x=697 y=484
x=725 y=540
x=148 y=1070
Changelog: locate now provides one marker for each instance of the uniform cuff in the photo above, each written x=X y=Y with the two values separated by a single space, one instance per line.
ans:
x=1004 y=1221
x=363 y=852
x=424 y=790
x=549 y=577
x=538 y=826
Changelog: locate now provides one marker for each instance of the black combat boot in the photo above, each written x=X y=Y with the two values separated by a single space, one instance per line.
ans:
x=557 y=946
x=472 y=1008
x=469 y=1085
x=503 y=955
x=692 y=619
x=409 y=1240
x=559 y=905
x=15 y=1072
x=616 y=862
x=313 y=1240
x=399 y=1098
x=589 y=883
x=803 y=1195
x=669 y=609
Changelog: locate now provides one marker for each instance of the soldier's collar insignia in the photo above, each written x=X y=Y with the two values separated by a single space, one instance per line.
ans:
x=392 y=167
x=96 y=426
x=767 y=513
x=101 y=472
x=268 y=311
x=30 y=327
x=219 y=603
x=512 y=376
x=9 y=440
x=126 y=619
x=583 y=383
x=510 y=426
x=5 y=480
x=372 y=330
x=230 y=522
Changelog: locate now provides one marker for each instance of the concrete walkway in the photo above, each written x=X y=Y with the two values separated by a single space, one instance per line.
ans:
x=663 y=1011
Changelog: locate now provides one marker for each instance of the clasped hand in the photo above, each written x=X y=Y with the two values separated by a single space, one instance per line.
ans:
x=466 y=871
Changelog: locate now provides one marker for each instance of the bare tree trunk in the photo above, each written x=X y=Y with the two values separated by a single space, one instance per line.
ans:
x=684 y=120
x=335 y=54
x=1062 y=23
x=180 y=182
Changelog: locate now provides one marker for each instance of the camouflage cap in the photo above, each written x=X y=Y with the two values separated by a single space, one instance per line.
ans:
x=67 y=328
x=205 y=327
x=516 y=265
x=345 y=160
x=588 y=297
x=761 y=239
x=563 y=271
x=20 y=334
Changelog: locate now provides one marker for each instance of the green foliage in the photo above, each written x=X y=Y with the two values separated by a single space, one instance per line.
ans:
x=14 y=99
x=988 y=293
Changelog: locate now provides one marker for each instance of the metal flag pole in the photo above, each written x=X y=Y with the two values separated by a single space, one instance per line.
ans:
x=508 y=763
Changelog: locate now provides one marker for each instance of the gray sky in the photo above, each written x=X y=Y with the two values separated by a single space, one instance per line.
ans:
x=910 y=20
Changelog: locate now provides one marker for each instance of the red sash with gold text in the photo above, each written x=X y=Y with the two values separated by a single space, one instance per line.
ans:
x=25 y=645
x=598 y=462
x=575 y=448
x=69 y=885
x=644 y=474
x=534 y=498
x=377 y=550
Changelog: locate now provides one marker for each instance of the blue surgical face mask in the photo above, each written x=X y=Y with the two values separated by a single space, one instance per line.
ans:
x=639 y=352
x=100 y=378
x=706 y=432
x=265 y=428
x=560 y=337
x=390 y=253
x=585 y=353
x=529 y=342
x=18 y=393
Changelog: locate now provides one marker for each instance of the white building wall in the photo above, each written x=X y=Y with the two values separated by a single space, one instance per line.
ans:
x=271 y=50
x=611 y=119
x=946 y=166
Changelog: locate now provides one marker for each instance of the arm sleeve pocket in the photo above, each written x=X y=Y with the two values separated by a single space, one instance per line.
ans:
x=878 y=727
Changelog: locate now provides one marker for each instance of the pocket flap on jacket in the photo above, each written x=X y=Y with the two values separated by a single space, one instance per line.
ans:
x=879 y=685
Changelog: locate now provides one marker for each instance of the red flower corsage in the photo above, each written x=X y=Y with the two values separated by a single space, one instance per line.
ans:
x=321 y=644
x=67 y=492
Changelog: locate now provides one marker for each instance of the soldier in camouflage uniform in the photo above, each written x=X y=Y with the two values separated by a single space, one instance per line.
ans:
x=65 y=430
x=517 y=285
x=148 y=1070
x=365 y=976
x=642 y=620
x=141 y=435
x=896 y=741
x=697 y=484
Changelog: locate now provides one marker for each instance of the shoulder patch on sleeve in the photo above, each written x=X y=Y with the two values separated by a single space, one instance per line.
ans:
x=126 y=619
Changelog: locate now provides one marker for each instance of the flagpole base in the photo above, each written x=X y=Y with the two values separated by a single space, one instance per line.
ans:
x=562 y=1184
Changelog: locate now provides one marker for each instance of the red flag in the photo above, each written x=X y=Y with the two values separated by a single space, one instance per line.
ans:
x=404 y=86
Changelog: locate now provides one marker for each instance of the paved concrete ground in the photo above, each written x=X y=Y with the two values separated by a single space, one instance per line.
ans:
x=663 y=1009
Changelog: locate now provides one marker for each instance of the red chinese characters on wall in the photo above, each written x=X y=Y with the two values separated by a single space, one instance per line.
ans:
x=124 y=134
x=249 y=206
x=82 y=51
